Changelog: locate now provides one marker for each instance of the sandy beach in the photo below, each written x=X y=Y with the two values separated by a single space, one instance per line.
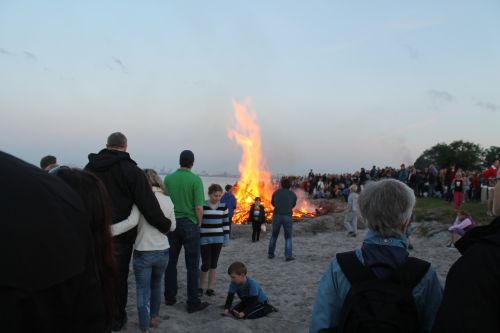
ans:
x=290 y=286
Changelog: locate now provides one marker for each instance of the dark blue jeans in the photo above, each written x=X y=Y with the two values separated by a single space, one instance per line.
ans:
x=287 y=223
x=186 y=234
x=123 y=253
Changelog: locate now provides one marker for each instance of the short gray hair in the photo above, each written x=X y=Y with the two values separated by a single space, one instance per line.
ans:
x=117 y=139
x=386 y=205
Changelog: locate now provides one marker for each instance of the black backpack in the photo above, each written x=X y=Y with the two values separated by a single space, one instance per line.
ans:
x=375 y=305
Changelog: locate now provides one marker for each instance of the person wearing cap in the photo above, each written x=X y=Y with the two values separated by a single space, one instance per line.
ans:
x=186 y=191
x=127 y=185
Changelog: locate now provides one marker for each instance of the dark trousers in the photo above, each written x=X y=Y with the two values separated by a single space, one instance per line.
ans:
x=254 y=311
x=123 y=253
x=256 y=231
x=186 y=234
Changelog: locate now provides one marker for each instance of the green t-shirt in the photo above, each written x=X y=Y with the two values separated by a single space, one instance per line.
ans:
x=186 y=191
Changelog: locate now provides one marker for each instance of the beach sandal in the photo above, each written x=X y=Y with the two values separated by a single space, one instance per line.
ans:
x=210 y=292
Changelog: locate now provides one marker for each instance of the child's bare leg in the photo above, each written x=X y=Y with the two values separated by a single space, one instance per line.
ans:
x=203 y=278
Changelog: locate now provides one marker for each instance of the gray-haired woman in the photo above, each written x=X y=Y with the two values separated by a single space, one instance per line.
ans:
x=386 y=206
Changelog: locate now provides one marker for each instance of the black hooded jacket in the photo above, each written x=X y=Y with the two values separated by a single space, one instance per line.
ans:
x=471 y=300
x=127 y=185
x=48 y=281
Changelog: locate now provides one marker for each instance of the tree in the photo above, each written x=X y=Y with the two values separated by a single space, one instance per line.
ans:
x=439 y=155
x=491 y=154
x=462 y=154
x=468 y=155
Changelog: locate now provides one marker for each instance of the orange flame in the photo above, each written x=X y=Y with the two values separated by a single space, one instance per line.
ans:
x=255 y=179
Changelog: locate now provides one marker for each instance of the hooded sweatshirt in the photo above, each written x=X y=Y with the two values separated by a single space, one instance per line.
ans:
x=127 y=184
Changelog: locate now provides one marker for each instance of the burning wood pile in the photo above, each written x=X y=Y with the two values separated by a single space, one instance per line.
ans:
x=255 y=179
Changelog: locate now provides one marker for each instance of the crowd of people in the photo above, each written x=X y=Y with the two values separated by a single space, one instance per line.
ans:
x=450 y=183
x=69 y=254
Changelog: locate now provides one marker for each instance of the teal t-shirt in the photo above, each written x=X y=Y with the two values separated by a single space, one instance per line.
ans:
x=186 y=191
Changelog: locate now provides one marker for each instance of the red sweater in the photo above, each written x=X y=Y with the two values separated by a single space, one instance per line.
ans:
x=491 y=172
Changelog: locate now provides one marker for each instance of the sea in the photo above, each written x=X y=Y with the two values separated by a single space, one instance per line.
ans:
x=209 y=180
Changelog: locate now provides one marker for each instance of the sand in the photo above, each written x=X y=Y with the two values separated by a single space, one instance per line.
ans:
x=290 y=286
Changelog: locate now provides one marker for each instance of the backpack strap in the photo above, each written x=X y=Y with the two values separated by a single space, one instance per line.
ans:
x=352 y=267
x=412 y=271
x=409 y=274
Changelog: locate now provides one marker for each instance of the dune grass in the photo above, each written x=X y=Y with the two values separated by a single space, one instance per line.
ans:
x=433 y=209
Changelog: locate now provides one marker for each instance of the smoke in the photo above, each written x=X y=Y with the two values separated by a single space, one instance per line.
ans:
x=30 y=56
x=303 y=203
x=120 y=64
x=5 y=52
x=412 y=51
x=488 y=106
x=441 y=96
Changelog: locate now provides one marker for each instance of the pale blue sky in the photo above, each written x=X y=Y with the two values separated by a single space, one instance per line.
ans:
x=336 y=84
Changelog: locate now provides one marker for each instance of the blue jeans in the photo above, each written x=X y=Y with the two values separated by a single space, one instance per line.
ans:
x=287 y=223
x=186 y=234
x=149 y=267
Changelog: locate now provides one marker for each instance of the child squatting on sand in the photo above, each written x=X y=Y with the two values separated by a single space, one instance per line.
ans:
x=253 y=303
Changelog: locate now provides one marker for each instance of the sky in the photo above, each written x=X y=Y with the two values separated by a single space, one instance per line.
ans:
x=335 y=85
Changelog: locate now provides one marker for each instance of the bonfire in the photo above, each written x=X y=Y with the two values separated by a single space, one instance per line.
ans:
x=255 y=179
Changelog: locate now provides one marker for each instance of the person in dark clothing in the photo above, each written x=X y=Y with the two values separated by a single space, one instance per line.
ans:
x=50 y=282
x=230 y=200
x=98 y=204
x=362 y=177
x=373 y=173
x=127 y=185
x=471 y=300
x=256 y=216
x=283 y=201
x=432 y=179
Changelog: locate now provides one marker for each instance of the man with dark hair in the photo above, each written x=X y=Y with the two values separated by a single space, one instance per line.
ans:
x=127 y=185
x=51 y=284
x=186 y=191
x=283 y=201
x=48 y=162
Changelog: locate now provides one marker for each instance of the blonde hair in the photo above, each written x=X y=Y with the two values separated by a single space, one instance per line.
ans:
x=353 y=188
x=155 y=180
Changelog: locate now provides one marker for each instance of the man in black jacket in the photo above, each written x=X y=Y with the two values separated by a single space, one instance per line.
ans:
x=471 y=300
x=127 y=185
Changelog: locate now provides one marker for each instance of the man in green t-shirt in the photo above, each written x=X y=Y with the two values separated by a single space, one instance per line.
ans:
x=186 y=191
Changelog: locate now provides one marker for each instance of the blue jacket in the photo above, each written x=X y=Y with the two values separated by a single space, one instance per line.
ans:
x=230 y=200
x=334 y=286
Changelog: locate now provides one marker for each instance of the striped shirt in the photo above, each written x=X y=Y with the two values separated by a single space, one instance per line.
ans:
x=214 y=225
